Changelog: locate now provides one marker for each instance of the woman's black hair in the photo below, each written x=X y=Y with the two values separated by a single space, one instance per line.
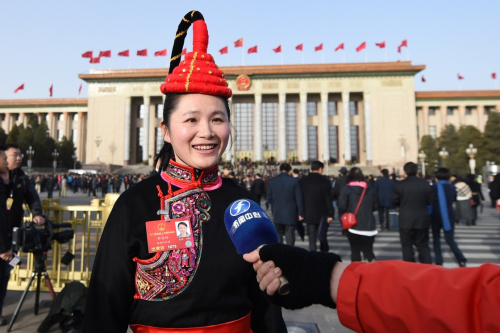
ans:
x=184 y=223
x=166 y=152
x=355 y=175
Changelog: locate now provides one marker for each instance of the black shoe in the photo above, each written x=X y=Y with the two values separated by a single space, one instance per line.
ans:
x=462 y=263
x=3 y=321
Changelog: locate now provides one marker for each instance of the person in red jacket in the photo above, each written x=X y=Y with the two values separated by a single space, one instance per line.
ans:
x=385 y=296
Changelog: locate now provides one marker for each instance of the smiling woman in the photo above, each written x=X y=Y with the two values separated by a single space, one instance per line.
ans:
x=144 y=275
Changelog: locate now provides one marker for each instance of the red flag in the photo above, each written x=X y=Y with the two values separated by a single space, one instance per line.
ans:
x=161 y=53
x=88 y=54
x=299 y=47
x=319 y=47
x=252 y=49
x=238 y=43
x=493 y=75
x=51 y=90
x=142 y=53
x=340 y=47
x=125 y=53
x=460 y=77
x=381 y=45
x=80 y=89
x=361 y=47
x=423 y=78
x=106 y=54
x=277 y=50
x=21 y=87
x=95 y=60
x=224 y=50
x=403 y=43
x=184 y=51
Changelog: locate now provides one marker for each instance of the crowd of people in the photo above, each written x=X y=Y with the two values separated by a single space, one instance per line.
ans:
x=305 y=203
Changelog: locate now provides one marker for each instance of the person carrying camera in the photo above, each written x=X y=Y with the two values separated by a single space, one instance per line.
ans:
x=18 y=189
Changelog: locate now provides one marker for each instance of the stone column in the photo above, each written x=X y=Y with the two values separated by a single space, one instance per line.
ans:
x=303 y=127
x=67 y=125
x=324 y=127
x=480 y=117
x=281 y=127
x=368 y=129
x=145 y=124
x=126 y=142
x=425 y=114
x=258 y=128
x=23 y=119
x=347 y=126
x=461 y=114
x=442 y=110
x=80 y=151
x=52 y=126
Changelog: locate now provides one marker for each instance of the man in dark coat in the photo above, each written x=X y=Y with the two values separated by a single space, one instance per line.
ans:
x=340 y=182
x=384 y=187
x=285 y=197
x=258 y=187
x=318 y=206
x=413 y=195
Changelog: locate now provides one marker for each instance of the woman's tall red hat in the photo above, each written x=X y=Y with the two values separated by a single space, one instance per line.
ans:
x=197 y=73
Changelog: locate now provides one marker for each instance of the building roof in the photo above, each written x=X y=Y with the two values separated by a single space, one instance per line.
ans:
x=343 y=69
x=456 y=94
x=43 y=102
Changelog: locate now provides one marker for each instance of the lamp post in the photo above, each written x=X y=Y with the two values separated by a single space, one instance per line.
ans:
x=471 y=151
x=30 y=152
x=74 y=160
x=97 y=141
x=55 y=155
x=444 y=154
x=422 y=157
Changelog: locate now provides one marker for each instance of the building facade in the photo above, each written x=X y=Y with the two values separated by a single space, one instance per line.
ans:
x=367 y=113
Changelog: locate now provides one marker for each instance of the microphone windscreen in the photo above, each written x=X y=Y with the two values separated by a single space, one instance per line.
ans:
x=249 y=226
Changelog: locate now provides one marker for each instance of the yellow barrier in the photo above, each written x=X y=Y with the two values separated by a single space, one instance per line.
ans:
x=87 y=223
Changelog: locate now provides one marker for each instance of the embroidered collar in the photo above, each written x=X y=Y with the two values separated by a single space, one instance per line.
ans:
x=183 y=176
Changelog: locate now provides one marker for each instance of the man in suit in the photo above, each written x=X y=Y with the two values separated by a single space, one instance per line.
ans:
x=285 y=198
x=318 y=206
x=258 y=187
x=384 y=187
x=340 y=182
x=412 y=195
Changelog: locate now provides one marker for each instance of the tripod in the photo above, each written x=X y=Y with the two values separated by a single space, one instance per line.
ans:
x=40 y=257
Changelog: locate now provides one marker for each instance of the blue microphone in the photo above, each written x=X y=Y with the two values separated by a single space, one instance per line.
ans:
x=249 y=227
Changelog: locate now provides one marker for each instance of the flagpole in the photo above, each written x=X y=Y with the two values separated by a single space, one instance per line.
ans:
x=322 y=57
x=407 y=54
x=385 y=51
x=343 y=54
x=281 y=56
x=242 y=57
x=366 y=56
x=302 y=56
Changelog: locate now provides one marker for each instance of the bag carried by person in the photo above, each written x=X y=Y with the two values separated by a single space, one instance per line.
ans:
x=349 y=220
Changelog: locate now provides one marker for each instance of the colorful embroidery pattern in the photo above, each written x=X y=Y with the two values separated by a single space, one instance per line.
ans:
x=168 y=273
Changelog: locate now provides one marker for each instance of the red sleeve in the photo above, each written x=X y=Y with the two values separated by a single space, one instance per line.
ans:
x=397 y=296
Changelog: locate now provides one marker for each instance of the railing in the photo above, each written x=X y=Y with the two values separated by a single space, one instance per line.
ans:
x=87 y=223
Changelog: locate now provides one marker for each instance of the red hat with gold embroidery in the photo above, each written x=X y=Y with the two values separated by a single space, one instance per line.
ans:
x=197 y=73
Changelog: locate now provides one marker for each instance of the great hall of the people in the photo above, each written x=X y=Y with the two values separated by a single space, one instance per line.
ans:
x=363 y=113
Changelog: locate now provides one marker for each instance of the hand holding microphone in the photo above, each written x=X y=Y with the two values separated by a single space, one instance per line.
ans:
x=249 y=228
x=308 y=272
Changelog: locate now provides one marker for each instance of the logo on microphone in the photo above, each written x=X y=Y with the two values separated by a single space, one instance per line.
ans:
x=239 y=207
